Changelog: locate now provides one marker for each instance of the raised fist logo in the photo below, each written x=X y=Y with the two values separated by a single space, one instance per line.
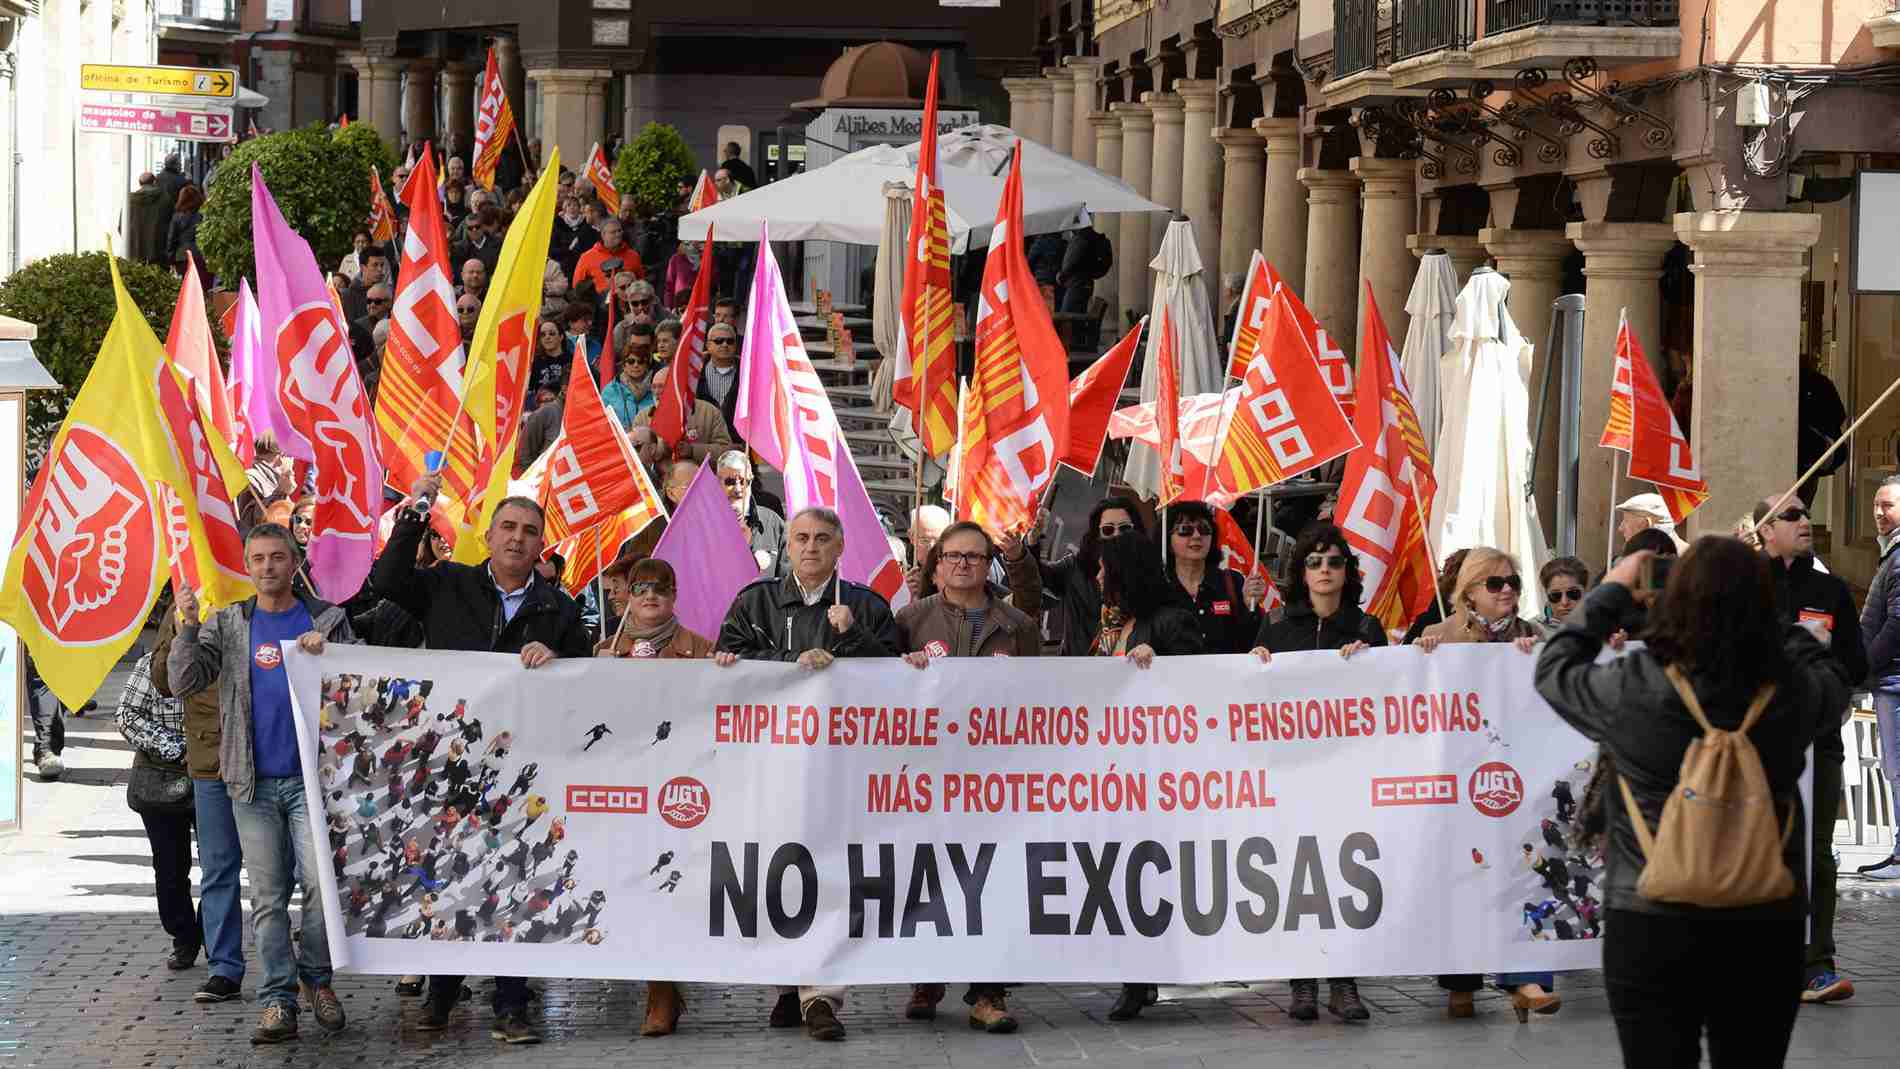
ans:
x=92 y=543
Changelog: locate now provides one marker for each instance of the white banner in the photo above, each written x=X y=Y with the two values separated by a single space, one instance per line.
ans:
x=1009 y=820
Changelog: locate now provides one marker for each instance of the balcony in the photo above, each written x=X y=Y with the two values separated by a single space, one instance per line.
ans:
x=218 y=15
x=1431 y=40
x=1362 y=52
x=1885 y=29
x=1544 y=33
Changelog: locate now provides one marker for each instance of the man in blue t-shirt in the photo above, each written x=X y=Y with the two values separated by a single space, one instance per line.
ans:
x=261 y=762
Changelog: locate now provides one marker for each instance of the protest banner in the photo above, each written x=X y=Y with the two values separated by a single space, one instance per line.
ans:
x=1208 y=819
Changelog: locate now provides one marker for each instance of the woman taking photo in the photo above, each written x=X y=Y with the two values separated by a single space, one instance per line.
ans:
x=1075 y=579
x=1322 y=613
x=1217 y=597
x=1483 y=608
x=1716 y=631
x=1139 y=624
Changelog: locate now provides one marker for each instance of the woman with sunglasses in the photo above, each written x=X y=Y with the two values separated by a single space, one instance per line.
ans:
x=1322 y=613
x=1484 y=609
x=1074 y=580
x=1138 y=623
x=1219 y=598
x=1564 y=580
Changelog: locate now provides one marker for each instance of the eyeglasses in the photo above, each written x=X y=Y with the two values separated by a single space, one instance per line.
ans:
x=1792 y=515
x=468 y=310
x=971 y=559
x=723 y=341
x=640 y=302
x=1189 y=530
x=1574 y=593
x=1116 y=530
x=1496 y=584
x=302 y=521
x=649 y=586
x=377 y=300
x=736 y=481
x=1326 y=560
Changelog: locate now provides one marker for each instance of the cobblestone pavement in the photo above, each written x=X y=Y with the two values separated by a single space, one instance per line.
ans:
x=83 y=984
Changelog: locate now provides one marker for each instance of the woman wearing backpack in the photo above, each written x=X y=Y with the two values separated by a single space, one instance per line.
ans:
x=1723 y=689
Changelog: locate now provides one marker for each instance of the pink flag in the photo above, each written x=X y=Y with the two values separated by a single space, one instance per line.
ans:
x=705 y=541
x=254 y=387
x=321 y=395
x=785 y=416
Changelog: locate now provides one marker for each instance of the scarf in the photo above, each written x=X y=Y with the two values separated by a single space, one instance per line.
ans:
x=1110 y=631
x=1492 y=629
x=649 y=641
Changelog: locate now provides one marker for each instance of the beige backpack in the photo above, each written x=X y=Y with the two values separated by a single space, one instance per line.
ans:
x=1717 y=845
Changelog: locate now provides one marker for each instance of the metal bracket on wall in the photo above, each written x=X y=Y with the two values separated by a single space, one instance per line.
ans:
x=1660 y=133
x=1563 y=107
x=1418 y=115
x=1468 y=117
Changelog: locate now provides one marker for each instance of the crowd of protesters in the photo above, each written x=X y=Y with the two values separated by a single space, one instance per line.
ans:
x=1733 y=618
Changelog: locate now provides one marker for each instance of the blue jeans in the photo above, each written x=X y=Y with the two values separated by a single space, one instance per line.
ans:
x=219 y=857
x=274 y=831
x=1887 y=715
x=1510 y=981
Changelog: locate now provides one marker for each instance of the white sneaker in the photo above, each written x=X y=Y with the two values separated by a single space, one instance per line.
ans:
x=1888 y=869
x=51 y=767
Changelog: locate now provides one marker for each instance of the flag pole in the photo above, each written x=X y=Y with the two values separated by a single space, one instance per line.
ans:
x=1425 y=535
x=1817 y=465
x=1259 y=518
x=956 y=498
x=1609 y=536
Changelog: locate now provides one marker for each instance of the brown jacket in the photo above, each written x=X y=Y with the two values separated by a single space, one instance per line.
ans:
x=706 y=434
x=1463 y=627
x=686 y=646
x=204 y=726
x=934 y=626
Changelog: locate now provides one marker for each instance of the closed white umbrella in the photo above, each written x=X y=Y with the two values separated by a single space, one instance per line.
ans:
x=1430 y=306
x=1484 y=459
x=887 y=293
x=1180 y=289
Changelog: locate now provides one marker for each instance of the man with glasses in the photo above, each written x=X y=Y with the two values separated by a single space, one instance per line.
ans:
x=468 y=311
x=374 y=271
x=1806 y=594
x=363 y=327
x=637 y=297
x=963 y=619
x=764 y=528
x=485 y=231
x=719 y=379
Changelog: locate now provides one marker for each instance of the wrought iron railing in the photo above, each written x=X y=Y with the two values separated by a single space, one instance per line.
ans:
x=199 y=12
x=1503 y=15
x=1355 y=36
x=1430 y=25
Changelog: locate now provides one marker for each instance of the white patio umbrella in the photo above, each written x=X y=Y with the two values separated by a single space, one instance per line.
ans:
x=1180 y=289
x=887 y=291
x=1484 y=454
x=843 y=200
x=1434 y=292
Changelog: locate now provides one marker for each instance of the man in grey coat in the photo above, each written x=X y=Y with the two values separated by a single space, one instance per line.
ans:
x=239 y=650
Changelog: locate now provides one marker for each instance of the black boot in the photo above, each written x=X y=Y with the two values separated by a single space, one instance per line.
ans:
x=1305 y=1005
x=1133 y=999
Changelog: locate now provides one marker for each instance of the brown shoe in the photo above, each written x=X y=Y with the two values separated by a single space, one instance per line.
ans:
x=822 y=1023
x=278 y=1025
x=327 y=1008
x=923 y=1002
x=1461 y=1005
x=990 y=1014
x=664 y=1006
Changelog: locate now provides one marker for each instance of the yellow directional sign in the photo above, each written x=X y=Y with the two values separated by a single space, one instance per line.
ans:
x=170 y=81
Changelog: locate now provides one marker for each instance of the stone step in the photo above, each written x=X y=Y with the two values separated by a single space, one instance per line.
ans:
x=851 y=396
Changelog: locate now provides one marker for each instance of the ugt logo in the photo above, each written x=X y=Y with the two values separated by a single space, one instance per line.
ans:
x=1496 y=789
x=684 y=802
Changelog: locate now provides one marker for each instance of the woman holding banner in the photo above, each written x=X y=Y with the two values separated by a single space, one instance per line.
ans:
x=1483 y=608
x=1322 y=613
x=1219 y=598
x=1138 y=623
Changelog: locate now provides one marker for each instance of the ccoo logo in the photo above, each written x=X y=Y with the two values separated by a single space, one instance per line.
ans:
x=1496 y=789
x=684 y=802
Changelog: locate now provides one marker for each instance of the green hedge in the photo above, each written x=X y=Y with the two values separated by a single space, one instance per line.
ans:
x=362 y=139
x=652 y=166
x=69 y=297
x=321 y=184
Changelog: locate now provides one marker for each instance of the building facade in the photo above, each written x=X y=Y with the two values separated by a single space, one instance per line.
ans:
x=1687 y=163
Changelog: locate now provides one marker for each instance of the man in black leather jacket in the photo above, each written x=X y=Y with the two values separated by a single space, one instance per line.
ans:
x=812 y=616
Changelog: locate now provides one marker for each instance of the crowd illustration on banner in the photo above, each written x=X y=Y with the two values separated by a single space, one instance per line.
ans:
x=559 y=431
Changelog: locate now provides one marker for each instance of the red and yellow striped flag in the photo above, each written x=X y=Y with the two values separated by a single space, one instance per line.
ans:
x=494 y=124
x=925 y=381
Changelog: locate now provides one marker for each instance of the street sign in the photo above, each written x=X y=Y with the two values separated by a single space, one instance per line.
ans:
x=172 y=81
x=182 y=124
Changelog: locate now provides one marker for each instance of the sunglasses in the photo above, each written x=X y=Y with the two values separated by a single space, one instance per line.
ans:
x=1793 y=515
x=736 y=481
x=1327 y=560
x=377 y=300
x=649 y=586
x=640 y=302
x=1575 y=593
x=1496 y=584
x=723 y=341
x=1116 y=530
x=1189 y=530
x=971 y=559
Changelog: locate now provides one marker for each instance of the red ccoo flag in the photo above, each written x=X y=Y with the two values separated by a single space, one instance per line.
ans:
x=1093 y=396
x=689 y=360
x=494 y=124
x=1017 y=408
x=925 y=380
x=601 y=177
x=592 y=473
x=1386 y=479
x=1263 y=285
x=1658 y=451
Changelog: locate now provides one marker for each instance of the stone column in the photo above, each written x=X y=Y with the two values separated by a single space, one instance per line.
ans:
x=1749 y=267
x=1283 y=215
x=513 y=80
x=572 y=111
x=418 y=102
x=1243 y=174
x=379 y=97
x=1332 y=252
x=1387 y=218
x=1030 y=100
x=1200 y=174
x=1061 y=109
x=1082 y=70
x=1164 y=182
x=1107 y=130
x=1621 y=268
x=458 y=111
x=1138 y=138
x=1534 y=262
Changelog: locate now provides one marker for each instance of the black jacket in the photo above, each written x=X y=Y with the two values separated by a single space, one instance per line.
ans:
x=1299 y=628
x=1801 y=589
x=769 y=621
x=1078 y=603
x=1880 y=623
x=765 y=531
x=1220 y=610
x=1629 y=707
x=460 y=609
x=1170 y=633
